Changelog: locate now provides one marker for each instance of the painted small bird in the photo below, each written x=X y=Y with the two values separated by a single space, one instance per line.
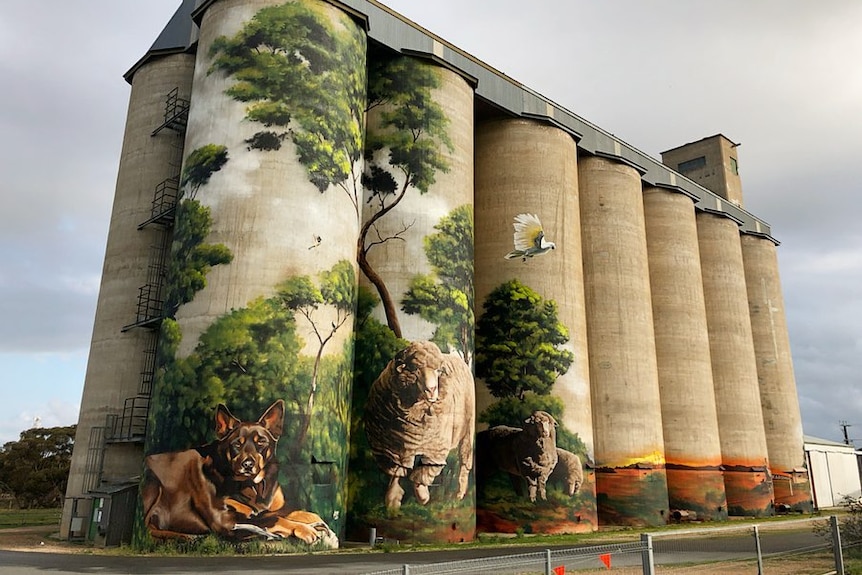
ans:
x=529 y=238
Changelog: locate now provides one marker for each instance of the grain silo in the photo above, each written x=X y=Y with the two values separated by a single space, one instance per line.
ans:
x=261 y=288
x=747 y=480
x=527 y=183
x=631 y=484
x=294 y=227
x=689 y=419
x=413 y=464
x=779 y=400
x=112 y=421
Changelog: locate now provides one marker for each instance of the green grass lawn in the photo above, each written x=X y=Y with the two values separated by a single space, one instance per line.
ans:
x=27 y=517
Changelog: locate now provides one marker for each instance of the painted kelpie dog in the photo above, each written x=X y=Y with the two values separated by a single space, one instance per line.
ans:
x=228 y=487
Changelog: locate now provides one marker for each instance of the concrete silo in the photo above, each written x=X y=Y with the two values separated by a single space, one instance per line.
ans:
x=525 y=167
x=778 y=398
x=307 y=169
x=747 y=480
x=108 y=446
x=415 y=253
x=689 y=419
x=631 y=484
x=261 y=288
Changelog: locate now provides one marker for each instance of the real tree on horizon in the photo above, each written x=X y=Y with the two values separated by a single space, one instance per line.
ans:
x=35 y=468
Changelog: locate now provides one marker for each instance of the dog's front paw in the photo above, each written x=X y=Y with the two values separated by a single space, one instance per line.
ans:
x=307 y=533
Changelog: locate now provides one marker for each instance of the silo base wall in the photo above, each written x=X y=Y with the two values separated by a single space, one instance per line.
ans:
x=447 y=522
x=501 y=508
x=749 y=493
x=635 y=497
x=700 y=492
x=793 y=493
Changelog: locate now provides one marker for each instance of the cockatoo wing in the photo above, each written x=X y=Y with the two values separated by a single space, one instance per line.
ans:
x=528 y=231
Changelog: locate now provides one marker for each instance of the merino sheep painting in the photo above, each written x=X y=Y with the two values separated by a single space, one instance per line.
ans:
x=421 y=408
x=527 y=455
x=569 y=472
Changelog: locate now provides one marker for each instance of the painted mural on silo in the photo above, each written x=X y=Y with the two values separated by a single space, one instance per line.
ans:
x=413 y=416
x=534 y=445
x=248 y=427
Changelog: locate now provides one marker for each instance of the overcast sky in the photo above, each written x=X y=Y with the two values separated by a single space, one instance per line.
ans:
x=783 y=77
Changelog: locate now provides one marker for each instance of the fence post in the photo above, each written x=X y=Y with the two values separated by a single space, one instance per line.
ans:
x=759 y=550
x=647 y=559
x=548 y=569
x=836 y=545
x=405 y=570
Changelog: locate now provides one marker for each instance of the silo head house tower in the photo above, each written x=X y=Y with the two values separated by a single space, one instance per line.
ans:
x=358 y=282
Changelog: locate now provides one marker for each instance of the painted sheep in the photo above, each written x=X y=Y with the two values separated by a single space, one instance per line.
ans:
x=569 y=472
x=529 y=453
x=420 y=408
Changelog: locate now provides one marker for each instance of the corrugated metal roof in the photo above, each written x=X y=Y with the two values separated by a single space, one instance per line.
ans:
x=820 y=441
x=177 y=36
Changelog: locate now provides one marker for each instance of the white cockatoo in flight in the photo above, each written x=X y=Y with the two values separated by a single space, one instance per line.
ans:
x=529 y=238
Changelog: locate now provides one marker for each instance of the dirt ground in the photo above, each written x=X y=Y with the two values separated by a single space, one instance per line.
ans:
x=806 y=565
x=41 y=538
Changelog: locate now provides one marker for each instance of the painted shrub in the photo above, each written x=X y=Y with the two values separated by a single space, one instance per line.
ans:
x=255 y=359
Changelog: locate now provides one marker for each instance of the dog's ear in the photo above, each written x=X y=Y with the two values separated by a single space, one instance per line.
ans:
x=273 y=418
x=225 y=422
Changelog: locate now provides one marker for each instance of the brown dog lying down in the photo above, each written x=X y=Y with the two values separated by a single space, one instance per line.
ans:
x=228 y=487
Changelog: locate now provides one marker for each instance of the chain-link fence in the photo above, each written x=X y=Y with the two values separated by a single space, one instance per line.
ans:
x=623 y=558
x=772 y=548
x=796 y=547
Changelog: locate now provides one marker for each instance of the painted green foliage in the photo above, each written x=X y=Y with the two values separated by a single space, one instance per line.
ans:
x=191 y=257
x=445 y=296
x=518 y=338
x=304 y=78
x=375 y=345
x=190 y=261
x=413 y=132
x=299 y=294
x=302 y=74
x=519 y=358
